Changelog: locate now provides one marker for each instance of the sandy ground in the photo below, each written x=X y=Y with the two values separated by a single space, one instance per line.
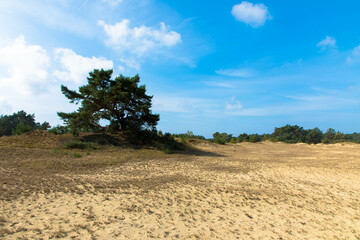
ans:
x=237 y=191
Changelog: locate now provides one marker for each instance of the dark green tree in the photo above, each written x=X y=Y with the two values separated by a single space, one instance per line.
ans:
x=120 y=101
x=290 y=134
x=314 y=136
x=19 y=122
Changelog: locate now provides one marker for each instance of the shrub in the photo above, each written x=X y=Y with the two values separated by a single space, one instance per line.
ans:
x=22 y=128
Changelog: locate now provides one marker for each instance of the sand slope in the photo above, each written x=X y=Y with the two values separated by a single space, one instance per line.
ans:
x=239 y=191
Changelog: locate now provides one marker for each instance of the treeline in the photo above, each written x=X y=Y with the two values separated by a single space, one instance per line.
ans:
x=289 y=134
x=19 y=123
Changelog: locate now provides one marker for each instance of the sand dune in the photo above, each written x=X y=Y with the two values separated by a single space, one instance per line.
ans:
x=239 y=191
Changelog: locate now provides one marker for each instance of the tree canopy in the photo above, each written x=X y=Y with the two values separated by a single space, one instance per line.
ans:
x=121 y=101
x=18 y=123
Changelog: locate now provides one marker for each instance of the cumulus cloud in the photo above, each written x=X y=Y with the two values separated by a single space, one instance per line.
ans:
x=253 y=14
x=327 y=43
x=242 y=72
x=76 y=67
x=138 y=40
x=24 y=67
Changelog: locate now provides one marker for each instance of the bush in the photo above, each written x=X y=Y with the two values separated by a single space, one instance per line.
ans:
x=22 y=128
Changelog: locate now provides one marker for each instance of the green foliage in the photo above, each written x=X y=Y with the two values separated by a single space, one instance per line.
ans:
x=290 y=134
x=233 y=140
x=58 y=130
x=221 y=138
x=254 y=138
x=19 y=123
x=243 y=138
x=331 y=136
x=353 y=137
x=314 y=136
x=22 y=128
x=122 y=102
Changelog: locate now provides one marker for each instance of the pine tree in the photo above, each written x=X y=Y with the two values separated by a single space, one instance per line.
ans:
x=120 y=102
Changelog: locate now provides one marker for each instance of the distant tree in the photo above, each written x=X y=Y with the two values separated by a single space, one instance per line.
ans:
x=221 y=138
x=254 y=138
x=290 y=134
x=120 y=101
x=314 y=136
x=19 y=122
x=243 y=138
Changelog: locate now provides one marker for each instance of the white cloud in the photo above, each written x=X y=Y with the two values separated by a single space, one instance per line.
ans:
x=112 y=3
x=244 y=72
x=253 y=14
x=354 y=56
x=234 y=105
x=182 y=104
x=24 y=67
x=327 y=43
x=138 y=40
x=76 y=67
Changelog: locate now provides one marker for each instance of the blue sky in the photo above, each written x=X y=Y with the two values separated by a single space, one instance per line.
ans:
x=227 y=66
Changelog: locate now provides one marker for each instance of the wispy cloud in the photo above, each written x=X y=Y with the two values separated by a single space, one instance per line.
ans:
x=354 y=57
x=242 y=72
x=254 y=15
x=179 y=104
x=327 y=43
x=300 y=105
